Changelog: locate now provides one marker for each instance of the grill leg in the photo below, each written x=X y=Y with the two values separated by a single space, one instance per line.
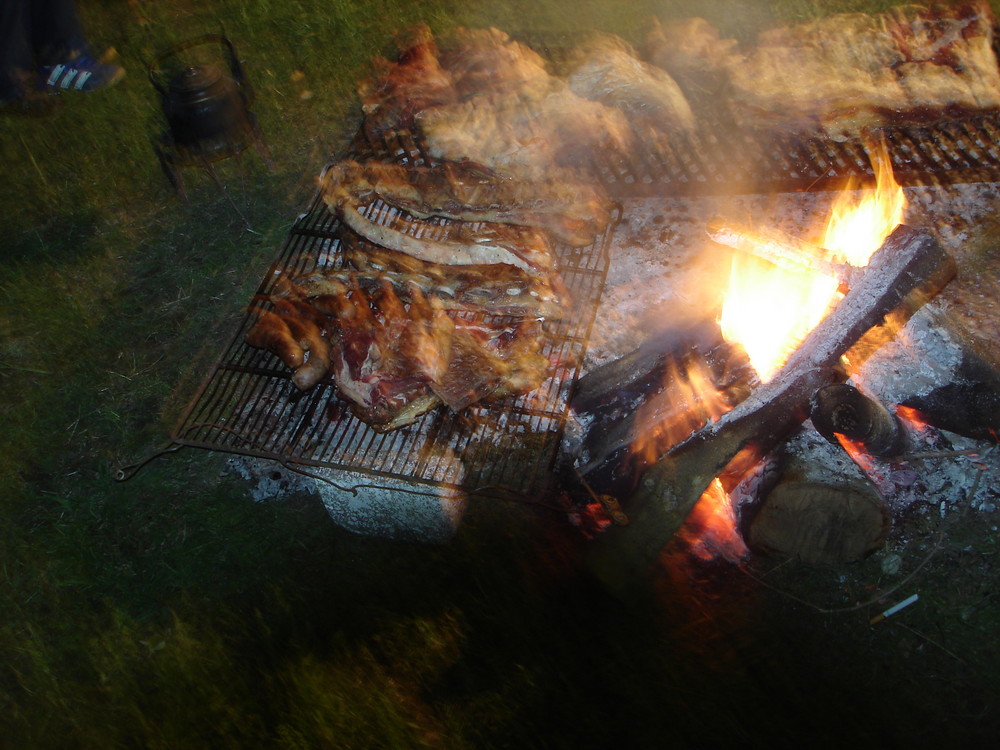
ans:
x=171 y=171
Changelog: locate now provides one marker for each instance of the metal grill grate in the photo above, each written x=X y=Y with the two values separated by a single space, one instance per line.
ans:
x=724 y=158
x=721 y=158
x=248 y=404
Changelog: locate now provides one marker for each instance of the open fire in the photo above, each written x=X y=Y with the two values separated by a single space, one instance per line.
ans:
x=779 y=292
x=768 y=310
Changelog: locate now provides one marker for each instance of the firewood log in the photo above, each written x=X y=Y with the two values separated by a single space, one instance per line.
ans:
x=843 y=409
x=938 y=365
x=822 y=510
x=608 y=400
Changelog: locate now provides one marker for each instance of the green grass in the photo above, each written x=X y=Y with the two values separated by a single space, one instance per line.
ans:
x=171 y=611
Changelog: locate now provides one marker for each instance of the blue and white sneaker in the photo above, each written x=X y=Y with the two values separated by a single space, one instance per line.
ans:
x=81 y=73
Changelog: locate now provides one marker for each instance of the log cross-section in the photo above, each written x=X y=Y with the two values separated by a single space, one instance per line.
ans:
x=909 y=266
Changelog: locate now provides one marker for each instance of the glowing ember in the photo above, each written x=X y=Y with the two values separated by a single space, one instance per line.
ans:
x=770 y=310
x=711 y=527
x=912 y=417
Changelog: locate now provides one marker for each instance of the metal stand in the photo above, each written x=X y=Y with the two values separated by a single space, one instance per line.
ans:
x=205 y=154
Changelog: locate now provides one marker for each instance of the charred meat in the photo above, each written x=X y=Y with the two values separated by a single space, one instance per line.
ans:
x=395 y=91
x=528 y=134
x=501 y=289
x=482 y=60
x=349 y=194
x=571 y=210
x=379 y=362
x=394 y=356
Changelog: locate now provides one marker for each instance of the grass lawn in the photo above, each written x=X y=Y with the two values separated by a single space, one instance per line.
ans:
x=171 y=611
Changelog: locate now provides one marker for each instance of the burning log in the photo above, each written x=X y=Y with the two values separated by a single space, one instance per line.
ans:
x=822 y=510
x=843 y=409
x=952 y=371
x=783 y=251
x=907 y=264
x=634 y=396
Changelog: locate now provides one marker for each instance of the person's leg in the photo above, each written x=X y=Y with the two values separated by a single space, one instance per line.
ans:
x=56 y=34
x=17 y=61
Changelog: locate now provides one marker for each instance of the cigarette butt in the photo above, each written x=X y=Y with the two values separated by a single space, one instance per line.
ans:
x=894 y=609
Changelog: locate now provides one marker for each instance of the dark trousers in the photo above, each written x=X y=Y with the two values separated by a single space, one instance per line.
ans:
x=33 y=33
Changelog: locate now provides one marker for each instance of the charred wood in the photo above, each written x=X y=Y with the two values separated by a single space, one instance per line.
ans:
x=843 y=409
x=783 y=251
x=937 y=365
x=608 y=401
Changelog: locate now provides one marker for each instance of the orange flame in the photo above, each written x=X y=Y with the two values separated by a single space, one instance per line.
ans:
x=860 y=222
x=769 y=310
x=688 y=401
x=912 y=416
x=710 y=528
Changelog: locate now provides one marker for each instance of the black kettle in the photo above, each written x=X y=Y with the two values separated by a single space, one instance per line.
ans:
x=206 y=107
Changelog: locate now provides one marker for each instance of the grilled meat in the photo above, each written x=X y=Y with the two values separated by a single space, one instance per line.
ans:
x=607 y=70
x=495 y=290
x=571 y=210
x=393 y=351
x=372 y=362
x=846 y=73
x=395 y=92
x=490 y=100
x=481 y=60
x=491 y=361
x=395 y=362
x=693 y=52
x=272 y=333
x=528 y=134
x=295 y=332
x=454 y=244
